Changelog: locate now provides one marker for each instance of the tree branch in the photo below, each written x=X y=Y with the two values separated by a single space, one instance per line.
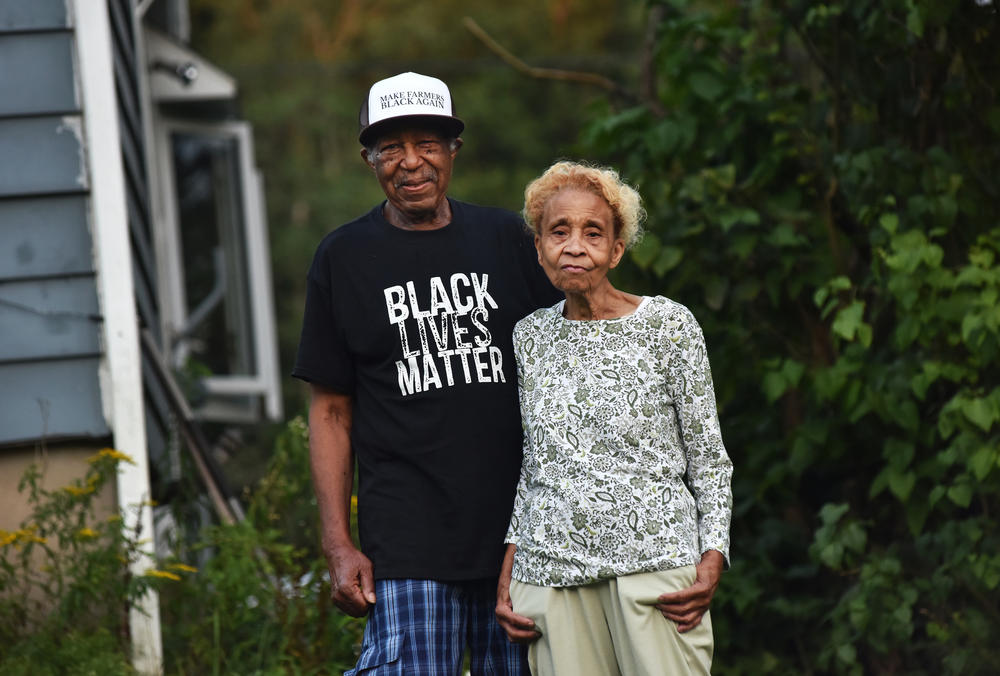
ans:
x=544 y=73
x=647 y=81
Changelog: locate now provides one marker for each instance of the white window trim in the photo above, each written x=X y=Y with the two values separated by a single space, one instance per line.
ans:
x=266 y=381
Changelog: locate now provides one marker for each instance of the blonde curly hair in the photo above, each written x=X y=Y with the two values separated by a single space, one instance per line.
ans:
x=624 y=200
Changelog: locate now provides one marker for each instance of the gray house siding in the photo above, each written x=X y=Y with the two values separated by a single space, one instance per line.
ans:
x=50 y=347
x=19 y=15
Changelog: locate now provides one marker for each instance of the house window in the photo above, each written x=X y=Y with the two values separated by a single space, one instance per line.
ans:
x=218 y=311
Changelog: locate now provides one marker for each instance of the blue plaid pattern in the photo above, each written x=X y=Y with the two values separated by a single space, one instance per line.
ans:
x=421 y=627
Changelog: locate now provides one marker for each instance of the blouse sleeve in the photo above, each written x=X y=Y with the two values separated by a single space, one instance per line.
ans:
x=709 y=469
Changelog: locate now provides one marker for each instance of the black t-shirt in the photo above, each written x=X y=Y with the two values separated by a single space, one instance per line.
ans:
x=416 y=326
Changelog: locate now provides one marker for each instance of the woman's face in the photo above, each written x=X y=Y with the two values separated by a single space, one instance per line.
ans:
x=577 y=243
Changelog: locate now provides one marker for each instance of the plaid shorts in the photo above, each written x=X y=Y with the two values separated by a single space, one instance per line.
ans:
x=421 y=627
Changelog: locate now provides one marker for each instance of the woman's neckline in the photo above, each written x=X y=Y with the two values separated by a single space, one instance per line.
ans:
x=562 y=307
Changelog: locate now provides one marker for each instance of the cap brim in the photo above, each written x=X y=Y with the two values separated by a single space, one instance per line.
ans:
x=452 y=126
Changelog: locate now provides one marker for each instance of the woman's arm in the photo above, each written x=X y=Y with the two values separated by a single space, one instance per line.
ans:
x=708 y=476
x=709 y=469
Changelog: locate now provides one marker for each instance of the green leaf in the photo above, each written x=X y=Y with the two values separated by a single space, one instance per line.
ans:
x=669 y=258
x=706 y=85
x=665 y=137
x=847 y=654
x=839 y=283
x=983 y=461
x=889 y=222
x=879 y=483
x=936 y=494
x=774 y=385
x=898 y=452
x=906 y=414
x=901 y=483
x=831 y=513
x=792 y=371
x=733 y=215
x=915 y=22
x=980 y=411
x=986 y=568
x=960 y=494
x=916 y=515
x=849 y=320
x=854 y=537
x=645 y=252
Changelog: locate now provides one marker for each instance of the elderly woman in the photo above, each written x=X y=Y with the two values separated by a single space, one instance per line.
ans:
x=620 y=528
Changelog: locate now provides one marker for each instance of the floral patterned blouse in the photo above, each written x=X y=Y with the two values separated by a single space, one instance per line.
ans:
x=624 y=468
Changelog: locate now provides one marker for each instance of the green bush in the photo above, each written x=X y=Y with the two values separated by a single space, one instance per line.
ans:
x=821 y=187
x=260 y=603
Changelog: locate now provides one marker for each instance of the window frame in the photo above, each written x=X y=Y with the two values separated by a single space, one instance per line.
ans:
x=264 y=382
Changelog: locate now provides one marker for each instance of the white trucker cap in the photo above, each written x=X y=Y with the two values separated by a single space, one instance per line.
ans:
x=407 y=95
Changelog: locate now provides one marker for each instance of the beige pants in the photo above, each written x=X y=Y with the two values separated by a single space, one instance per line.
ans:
x=611 y=628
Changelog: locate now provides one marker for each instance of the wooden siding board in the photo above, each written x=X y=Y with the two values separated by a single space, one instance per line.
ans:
x=51 y=400
x=23 y=15
x=121 y=31
x=127 y=99
x=38 y=74
x=135 y=170
x=41 y=155
x=42 y=237
x=41 y=319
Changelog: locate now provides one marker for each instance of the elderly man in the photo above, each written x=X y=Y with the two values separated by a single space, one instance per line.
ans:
x=406 y=344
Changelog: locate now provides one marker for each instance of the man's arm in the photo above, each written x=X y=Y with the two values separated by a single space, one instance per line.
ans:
x=687 y=606
x=519 y=629
x=332 y=462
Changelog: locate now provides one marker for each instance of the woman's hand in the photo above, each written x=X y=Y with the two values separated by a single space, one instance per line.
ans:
x=687 y=606
x=519 y=629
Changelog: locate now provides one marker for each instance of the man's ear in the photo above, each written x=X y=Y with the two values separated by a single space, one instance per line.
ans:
x=458 y=145
x=368 y=160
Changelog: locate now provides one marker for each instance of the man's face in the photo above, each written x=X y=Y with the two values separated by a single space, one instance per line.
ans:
x=413 y=166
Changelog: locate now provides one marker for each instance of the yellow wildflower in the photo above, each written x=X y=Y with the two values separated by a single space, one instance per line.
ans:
x=183 y=568
x=152 y=572
x=78 y=490
x=87 y=533
x=20 y=536
x=110 y=453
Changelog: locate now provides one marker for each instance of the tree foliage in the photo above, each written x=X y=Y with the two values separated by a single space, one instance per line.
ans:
x=821 y=186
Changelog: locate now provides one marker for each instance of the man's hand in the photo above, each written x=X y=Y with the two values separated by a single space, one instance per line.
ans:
x=351 y=580
x=519 y=629
x=687 y=606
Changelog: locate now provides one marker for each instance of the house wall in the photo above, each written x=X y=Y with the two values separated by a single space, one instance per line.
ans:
x=60 y=465
x=50 y=323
